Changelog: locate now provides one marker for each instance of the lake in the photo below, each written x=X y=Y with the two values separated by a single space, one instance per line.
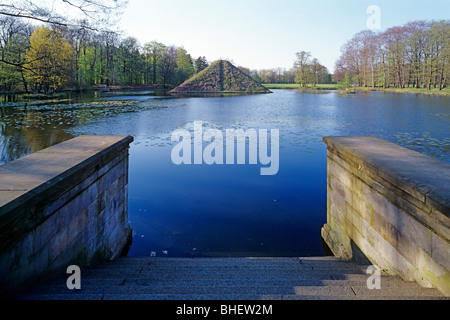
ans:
x=228 y=210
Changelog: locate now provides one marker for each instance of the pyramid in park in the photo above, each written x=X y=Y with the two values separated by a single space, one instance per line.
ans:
x=221 y=77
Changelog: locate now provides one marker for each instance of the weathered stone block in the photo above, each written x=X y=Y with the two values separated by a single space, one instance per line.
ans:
x=397 y=208
x=65 y=205
x=341 y=174
x=440 y=251
x=337 y=201
x=344 y=192
x=65 y=237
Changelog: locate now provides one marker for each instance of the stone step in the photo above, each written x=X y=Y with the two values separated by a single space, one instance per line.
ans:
x=237 y=279
x=228 y=279
x=302 y=290
x=263 y=289
x=196 y=265
x=114 y=285
x=222 y=271
x=194 y=290
x=348 y=297
x=139 y=297
x=221 y=297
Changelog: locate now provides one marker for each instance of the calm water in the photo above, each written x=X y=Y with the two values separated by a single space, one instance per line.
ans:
x=202 y=210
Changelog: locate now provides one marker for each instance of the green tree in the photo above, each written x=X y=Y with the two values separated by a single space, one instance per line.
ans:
x=168 y=64
x=347 y=82
x=130 y=62
x=302 y=68
x=87 y=64
x=154 y=52
x=200 y=64
x=49 y=59
x=185 y=68
x=12 y=73
x=14 y=42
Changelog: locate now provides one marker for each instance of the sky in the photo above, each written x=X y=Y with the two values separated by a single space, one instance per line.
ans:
x=260 y=34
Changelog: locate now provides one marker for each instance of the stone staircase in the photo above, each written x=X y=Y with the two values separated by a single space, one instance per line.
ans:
x=152 y=278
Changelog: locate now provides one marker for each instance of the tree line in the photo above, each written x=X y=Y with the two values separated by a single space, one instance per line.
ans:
x=306 y=71
x=54 y=57
x=71 y=54
x=413 y=55
x=80 y=53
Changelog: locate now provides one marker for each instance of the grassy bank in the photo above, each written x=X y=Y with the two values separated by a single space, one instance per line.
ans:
x=433 y=91
x=443 y=92
x=297 y=86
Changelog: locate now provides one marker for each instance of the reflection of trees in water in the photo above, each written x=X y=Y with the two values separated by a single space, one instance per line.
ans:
x=27 y=131
x=29 y=127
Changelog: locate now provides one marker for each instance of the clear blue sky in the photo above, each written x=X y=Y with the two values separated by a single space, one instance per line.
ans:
x=267 y=33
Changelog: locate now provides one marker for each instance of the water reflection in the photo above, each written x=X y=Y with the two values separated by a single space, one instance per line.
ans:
x=228 y=210
x=30 y=127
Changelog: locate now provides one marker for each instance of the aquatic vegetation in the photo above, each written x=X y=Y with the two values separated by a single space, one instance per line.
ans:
x=424 y=142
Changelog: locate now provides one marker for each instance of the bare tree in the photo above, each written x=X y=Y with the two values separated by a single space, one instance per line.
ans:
x=14 y=35
x=417 y=35
x=416 y=54
x=83 y=13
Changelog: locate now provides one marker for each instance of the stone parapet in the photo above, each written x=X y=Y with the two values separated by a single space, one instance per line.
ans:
x=67 y=204
x=393 y=205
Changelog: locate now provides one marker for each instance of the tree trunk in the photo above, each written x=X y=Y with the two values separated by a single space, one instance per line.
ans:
x=441 y=77
x=154 y=71
x=24 y=81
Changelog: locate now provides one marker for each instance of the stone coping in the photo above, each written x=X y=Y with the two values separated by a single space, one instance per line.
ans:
x=46 y=173
x=407 y=169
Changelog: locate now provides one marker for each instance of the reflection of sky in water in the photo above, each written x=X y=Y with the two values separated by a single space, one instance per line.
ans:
x=232 y=210
x=416 y=121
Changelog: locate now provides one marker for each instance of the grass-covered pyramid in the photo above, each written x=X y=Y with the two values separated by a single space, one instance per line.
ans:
x=221 y=77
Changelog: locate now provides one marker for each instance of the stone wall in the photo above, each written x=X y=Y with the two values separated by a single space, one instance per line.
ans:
x=393 y=205
x=64 y=205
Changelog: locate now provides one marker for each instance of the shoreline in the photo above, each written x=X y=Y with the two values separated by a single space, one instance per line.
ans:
x=325 y=87
x=436 y=92
x=64 y=94
x=91 y=89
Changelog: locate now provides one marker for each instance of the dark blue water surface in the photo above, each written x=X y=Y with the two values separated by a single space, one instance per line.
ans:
x=230 y=210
